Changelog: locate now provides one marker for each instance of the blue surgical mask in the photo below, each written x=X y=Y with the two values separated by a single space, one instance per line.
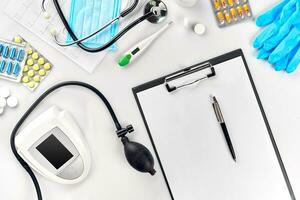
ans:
x=87 y=16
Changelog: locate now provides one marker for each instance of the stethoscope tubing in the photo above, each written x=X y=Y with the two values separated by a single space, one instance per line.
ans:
x=113 y=40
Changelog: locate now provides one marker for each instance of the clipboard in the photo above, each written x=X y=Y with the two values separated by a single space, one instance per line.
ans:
x=190 y=148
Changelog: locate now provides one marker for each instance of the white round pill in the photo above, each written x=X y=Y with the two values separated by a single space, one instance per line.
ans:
x=1 y=111
x=2 y=102
x=4 y=92
x=12 y=102
x=199 y=29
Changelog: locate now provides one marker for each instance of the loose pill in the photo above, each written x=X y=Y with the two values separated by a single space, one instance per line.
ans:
x=47 y=66
x=41 y=61
x=9 y=68
x=18 y=40
x=237 y=1
x=234 y=14
x=36 y=67
x=26 y=68
x=12 y=102
x=2 y=102
x=4 y=92
x=37 y=78
x=1 y=111
x=29 y=51
x=2 y=66
x=42 y=72
x=30 y=73
x=17 y=69
x=35 y=56
x=6 y=52
x=224 y=3
x=31 y=84
x=217 y=4
x=30 y=62
x=13 y=53
x=25 y=79
x=21 y=55
x=221 y=17
x=247 y=9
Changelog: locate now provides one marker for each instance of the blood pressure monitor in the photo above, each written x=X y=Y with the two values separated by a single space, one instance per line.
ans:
x=54 y=146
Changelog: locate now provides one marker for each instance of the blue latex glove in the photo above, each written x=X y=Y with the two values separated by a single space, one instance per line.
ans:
x=280 y=41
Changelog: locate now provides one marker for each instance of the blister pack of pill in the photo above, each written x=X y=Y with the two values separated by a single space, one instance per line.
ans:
x=37 y=67
x=12 y=60
x=230 y=12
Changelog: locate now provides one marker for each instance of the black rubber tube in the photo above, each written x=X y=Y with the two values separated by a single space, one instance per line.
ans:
x=32 y=108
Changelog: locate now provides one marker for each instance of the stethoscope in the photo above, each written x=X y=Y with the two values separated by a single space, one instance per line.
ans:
x=155 y=12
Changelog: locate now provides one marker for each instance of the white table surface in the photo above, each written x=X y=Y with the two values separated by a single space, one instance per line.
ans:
x=111 y=178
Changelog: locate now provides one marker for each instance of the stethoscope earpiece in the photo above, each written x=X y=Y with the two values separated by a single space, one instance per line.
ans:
x=138 y=156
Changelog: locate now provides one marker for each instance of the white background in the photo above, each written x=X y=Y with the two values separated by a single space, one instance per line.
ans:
x=111 y=178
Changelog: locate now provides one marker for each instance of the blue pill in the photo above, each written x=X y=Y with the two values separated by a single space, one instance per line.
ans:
x=17 y=69
x=20 y=55
x=2 y=66
x=13 y=53
x=1 y=48
x=6 y=52
x=9 y=68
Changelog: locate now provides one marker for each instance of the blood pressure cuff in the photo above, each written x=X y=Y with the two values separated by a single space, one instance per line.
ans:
x=87 y=16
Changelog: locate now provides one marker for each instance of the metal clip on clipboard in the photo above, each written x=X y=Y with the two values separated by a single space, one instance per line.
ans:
x=189 y=71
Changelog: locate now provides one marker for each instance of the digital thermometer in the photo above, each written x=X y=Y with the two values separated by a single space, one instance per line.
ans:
x=54 y=146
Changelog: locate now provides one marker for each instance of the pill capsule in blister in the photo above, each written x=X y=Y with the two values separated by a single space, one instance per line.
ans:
x=1 y=48
x=217 y=4
x=13 y=53
x=247 y=9
x=240 y=11
x=221 y=17
x=227 y=17
x=9 y=68
x=2 y=66
x=20 y=55
x=17 y=70
x=224 y=3
x=231 y=3
x=234 y=14
x=6 y=52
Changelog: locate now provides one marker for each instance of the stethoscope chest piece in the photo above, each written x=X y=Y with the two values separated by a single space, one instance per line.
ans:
x=159 y=9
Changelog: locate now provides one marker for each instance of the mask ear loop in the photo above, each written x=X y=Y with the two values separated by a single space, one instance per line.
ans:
x=138 y=156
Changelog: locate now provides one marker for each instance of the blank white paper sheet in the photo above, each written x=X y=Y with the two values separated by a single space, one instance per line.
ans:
x=192 y=148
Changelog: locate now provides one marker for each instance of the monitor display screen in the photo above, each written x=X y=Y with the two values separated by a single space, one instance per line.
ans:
x=54 y=151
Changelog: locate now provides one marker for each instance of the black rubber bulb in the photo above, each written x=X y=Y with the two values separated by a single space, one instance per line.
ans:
x=138 y=156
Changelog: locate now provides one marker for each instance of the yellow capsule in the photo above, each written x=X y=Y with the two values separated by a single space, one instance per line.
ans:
x=35 y=56
x=25 y=79
x=18 y=40
x=231 y=3
x=29 y=51
x=247 y=9
x=42 y=72
x=37 y=78
x=31 y=73
x=41 y=61
x=227 y=17
x=47 y=66
x=224 y=3
x=234 y=14
x=240 y=11
x=31 y=84
x=30 y=62
x=26 y=68
x=221 y=17
x=217 y=4
x=36 y=67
